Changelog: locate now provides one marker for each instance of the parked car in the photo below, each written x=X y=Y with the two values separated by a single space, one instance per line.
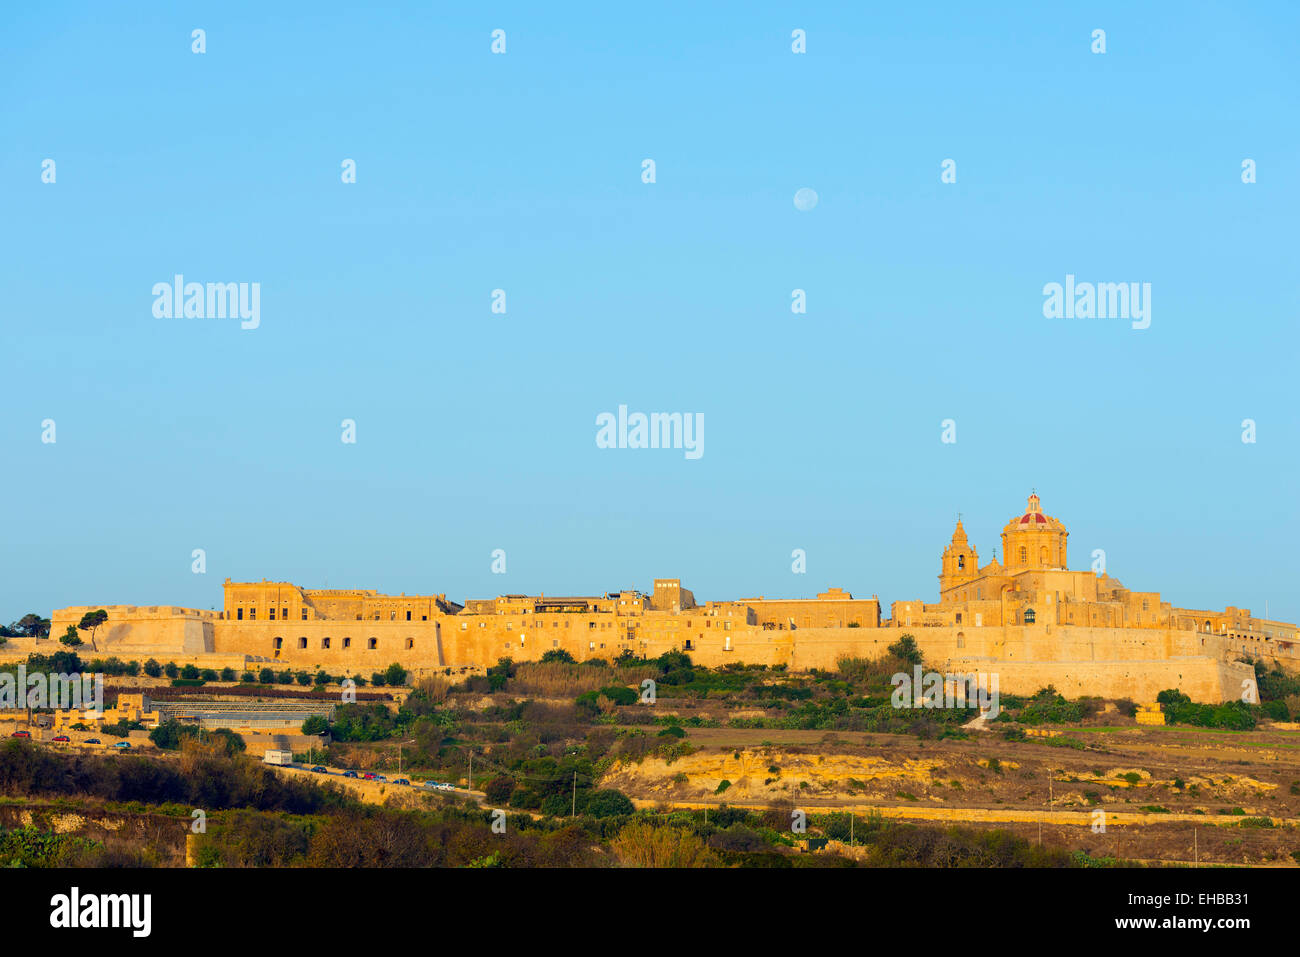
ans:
x=91 y=741
x=122 y=744
x=402 y=781
x=320 y=770
x=431 y=785
x=380 y=777
x=349 y=774
x=62 y=737
x=369 y=776
x=21 y=734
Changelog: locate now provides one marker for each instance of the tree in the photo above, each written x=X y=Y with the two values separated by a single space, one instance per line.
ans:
x=170 y=669
x=905 y=650
x=395 y=675
x=609 y=803
x=189 y=672
x=644 y=845
x=557 y=655
x=266 y=676
x=499 y=789
x=152 y=668
x=91 y=621
x=315 y=724
x=227 y=674
x=71 y=638
x=29 y=626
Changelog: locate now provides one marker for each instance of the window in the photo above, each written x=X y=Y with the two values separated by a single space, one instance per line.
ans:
x=304 y=614
x=464 y=625
x=279 y=643
x=958 y=622
x=252 y=614
x=410 y=643
x=347 y=642
x=325 y=642
x=272 y=614
x=961 y=561
x=392 y=616
x=1024 y=555
x=302 y=642
x=372 y=643
x=284 y=614
x=408 y=616
x=239 y=614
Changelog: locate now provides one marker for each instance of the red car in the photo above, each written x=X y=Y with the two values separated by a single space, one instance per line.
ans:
x=21 y=734
x=369 y=776
x=62 y=737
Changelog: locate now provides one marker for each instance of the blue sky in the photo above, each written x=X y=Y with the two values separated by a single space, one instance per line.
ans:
x=522 y=172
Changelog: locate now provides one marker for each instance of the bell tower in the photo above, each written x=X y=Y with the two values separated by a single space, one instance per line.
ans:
x=960 y=561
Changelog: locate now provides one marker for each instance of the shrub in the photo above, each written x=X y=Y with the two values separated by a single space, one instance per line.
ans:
x=499 y=789
x=609 y=803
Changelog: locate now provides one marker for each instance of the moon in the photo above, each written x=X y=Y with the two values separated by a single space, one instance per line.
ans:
x=805 y=199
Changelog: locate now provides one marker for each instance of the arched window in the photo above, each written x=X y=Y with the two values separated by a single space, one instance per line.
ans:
x=410 y=643
x=324 y=642
x=1029 y=616
x=1024 y=555
x=372 y=643
x=279 y=643
x=302 y=642
x=1042 y=555
x=961 y=561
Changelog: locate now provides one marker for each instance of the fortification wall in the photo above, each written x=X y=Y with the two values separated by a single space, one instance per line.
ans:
x=139 y=631
x=1116 y=662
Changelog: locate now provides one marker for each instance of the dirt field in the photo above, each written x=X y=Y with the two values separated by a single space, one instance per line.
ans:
x=1165 y=794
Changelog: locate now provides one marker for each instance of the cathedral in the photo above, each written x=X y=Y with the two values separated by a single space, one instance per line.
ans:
x=1033 y=585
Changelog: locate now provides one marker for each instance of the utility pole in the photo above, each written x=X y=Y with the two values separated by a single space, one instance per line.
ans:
x=1196 y=847
x=469 y=782
x=574 y=810
x=852 y=816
